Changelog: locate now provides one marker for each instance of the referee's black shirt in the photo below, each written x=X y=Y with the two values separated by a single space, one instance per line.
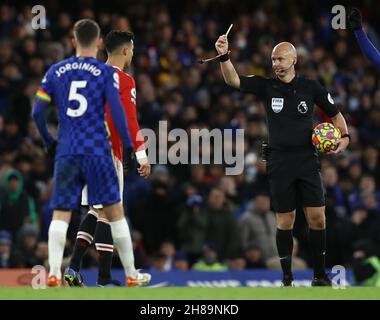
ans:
x=289 y=108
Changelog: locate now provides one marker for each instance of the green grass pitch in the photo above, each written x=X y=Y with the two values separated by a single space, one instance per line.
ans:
x=187 y=293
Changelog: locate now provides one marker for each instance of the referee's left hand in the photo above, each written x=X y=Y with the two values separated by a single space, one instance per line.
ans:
x=342 y=145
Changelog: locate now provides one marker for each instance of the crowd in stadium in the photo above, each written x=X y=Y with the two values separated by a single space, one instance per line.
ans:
x=194 y=216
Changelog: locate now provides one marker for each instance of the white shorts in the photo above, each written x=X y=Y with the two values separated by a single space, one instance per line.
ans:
x=120 y=175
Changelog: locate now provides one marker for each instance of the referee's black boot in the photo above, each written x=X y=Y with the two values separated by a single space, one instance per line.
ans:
x=321 y=282
x=287 y=282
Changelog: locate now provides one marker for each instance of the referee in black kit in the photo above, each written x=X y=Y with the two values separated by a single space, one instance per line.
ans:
x=292 y=166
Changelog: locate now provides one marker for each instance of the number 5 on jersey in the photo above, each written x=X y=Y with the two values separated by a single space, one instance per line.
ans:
x=75 y=96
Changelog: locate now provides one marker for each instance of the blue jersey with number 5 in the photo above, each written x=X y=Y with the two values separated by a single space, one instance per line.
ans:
x=79 y=87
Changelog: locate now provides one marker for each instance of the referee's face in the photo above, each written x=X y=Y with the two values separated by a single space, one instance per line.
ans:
x=283 y=59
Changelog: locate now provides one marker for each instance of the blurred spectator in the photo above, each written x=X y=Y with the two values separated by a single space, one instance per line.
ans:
x=157 y=218
x=5 y=249
x=367 y=195
x=180 y=261
x=141 y=259
x=12 y=137
x=366 y=264
x=371 y=163
x=168 y=250
x=228 y=184
x=334 y=193
x=236 y=264
x=16 y=207
x=42 y=253
x=258 y=225
x=158 y=262
x=192 y=228
x=26 y=246
x=198 y=179
x=253 y=257
x=357 y=229
x=222 y=227
x=209 y=260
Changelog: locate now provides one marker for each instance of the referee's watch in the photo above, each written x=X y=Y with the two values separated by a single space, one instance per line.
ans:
x=346 y=135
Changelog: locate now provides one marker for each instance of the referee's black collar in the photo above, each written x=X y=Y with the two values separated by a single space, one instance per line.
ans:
x=291 y=83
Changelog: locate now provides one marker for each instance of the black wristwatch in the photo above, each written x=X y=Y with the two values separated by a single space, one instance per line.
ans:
x=346 y=135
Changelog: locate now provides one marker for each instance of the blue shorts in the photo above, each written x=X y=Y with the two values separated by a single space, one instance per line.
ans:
x=73 y=172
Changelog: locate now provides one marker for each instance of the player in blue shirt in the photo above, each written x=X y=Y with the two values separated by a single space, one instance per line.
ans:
x=368 y=49
x=80 y=86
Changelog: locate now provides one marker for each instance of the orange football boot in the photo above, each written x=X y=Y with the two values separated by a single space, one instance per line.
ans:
x=53 y=281
x=140 y=279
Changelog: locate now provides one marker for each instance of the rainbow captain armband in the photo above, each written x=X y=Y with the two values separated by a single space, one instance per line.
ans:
x=42 y=97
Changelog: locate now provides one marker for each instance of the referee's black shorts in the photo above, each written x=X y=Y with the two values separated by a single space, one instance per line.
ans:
x=294 y=179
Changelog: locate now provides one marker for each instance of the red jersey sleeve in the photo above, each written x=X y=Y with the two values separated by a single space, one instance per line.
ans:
x=127 y=93
x=128 y=99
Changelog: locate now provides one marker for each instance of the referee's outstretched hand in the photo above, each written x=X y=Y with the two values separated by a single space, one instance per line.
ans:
x=354 y=19
x=342 y=145
x=221 y=45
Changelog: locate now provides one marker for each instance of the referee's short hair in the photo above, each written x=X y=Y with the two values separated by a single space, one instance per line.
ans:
x=86 y=32
x=116 y=39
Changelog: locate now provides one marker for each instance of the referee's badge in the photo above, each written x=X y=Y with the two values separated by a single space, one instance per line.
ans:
x=302 y=107
x=277 y=104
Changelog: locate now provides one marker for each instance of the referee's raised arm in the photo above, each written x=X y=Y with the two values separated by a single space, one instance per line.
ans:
x=228 y=70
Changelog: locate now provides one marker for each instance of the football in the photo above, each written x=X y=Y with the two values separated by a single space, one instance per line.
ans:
x=325 y=137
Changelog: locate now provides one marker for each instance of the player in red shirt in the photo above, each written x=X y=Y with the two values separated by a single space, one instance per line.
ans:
x=95 y=227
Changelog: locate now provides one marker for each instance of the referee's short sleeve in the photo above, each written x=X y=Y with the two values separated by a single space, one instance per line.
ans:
x=252 y=84
x=324 y=100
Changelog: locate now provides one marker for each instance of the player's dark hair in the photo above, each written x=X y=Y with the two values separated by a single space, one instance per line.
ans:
x=86 y=31
x=115 y=39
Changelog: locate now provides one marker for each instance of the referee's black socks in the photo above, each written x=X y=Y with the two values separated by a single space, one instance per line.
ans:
x=284 y=240
x=317 y=240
